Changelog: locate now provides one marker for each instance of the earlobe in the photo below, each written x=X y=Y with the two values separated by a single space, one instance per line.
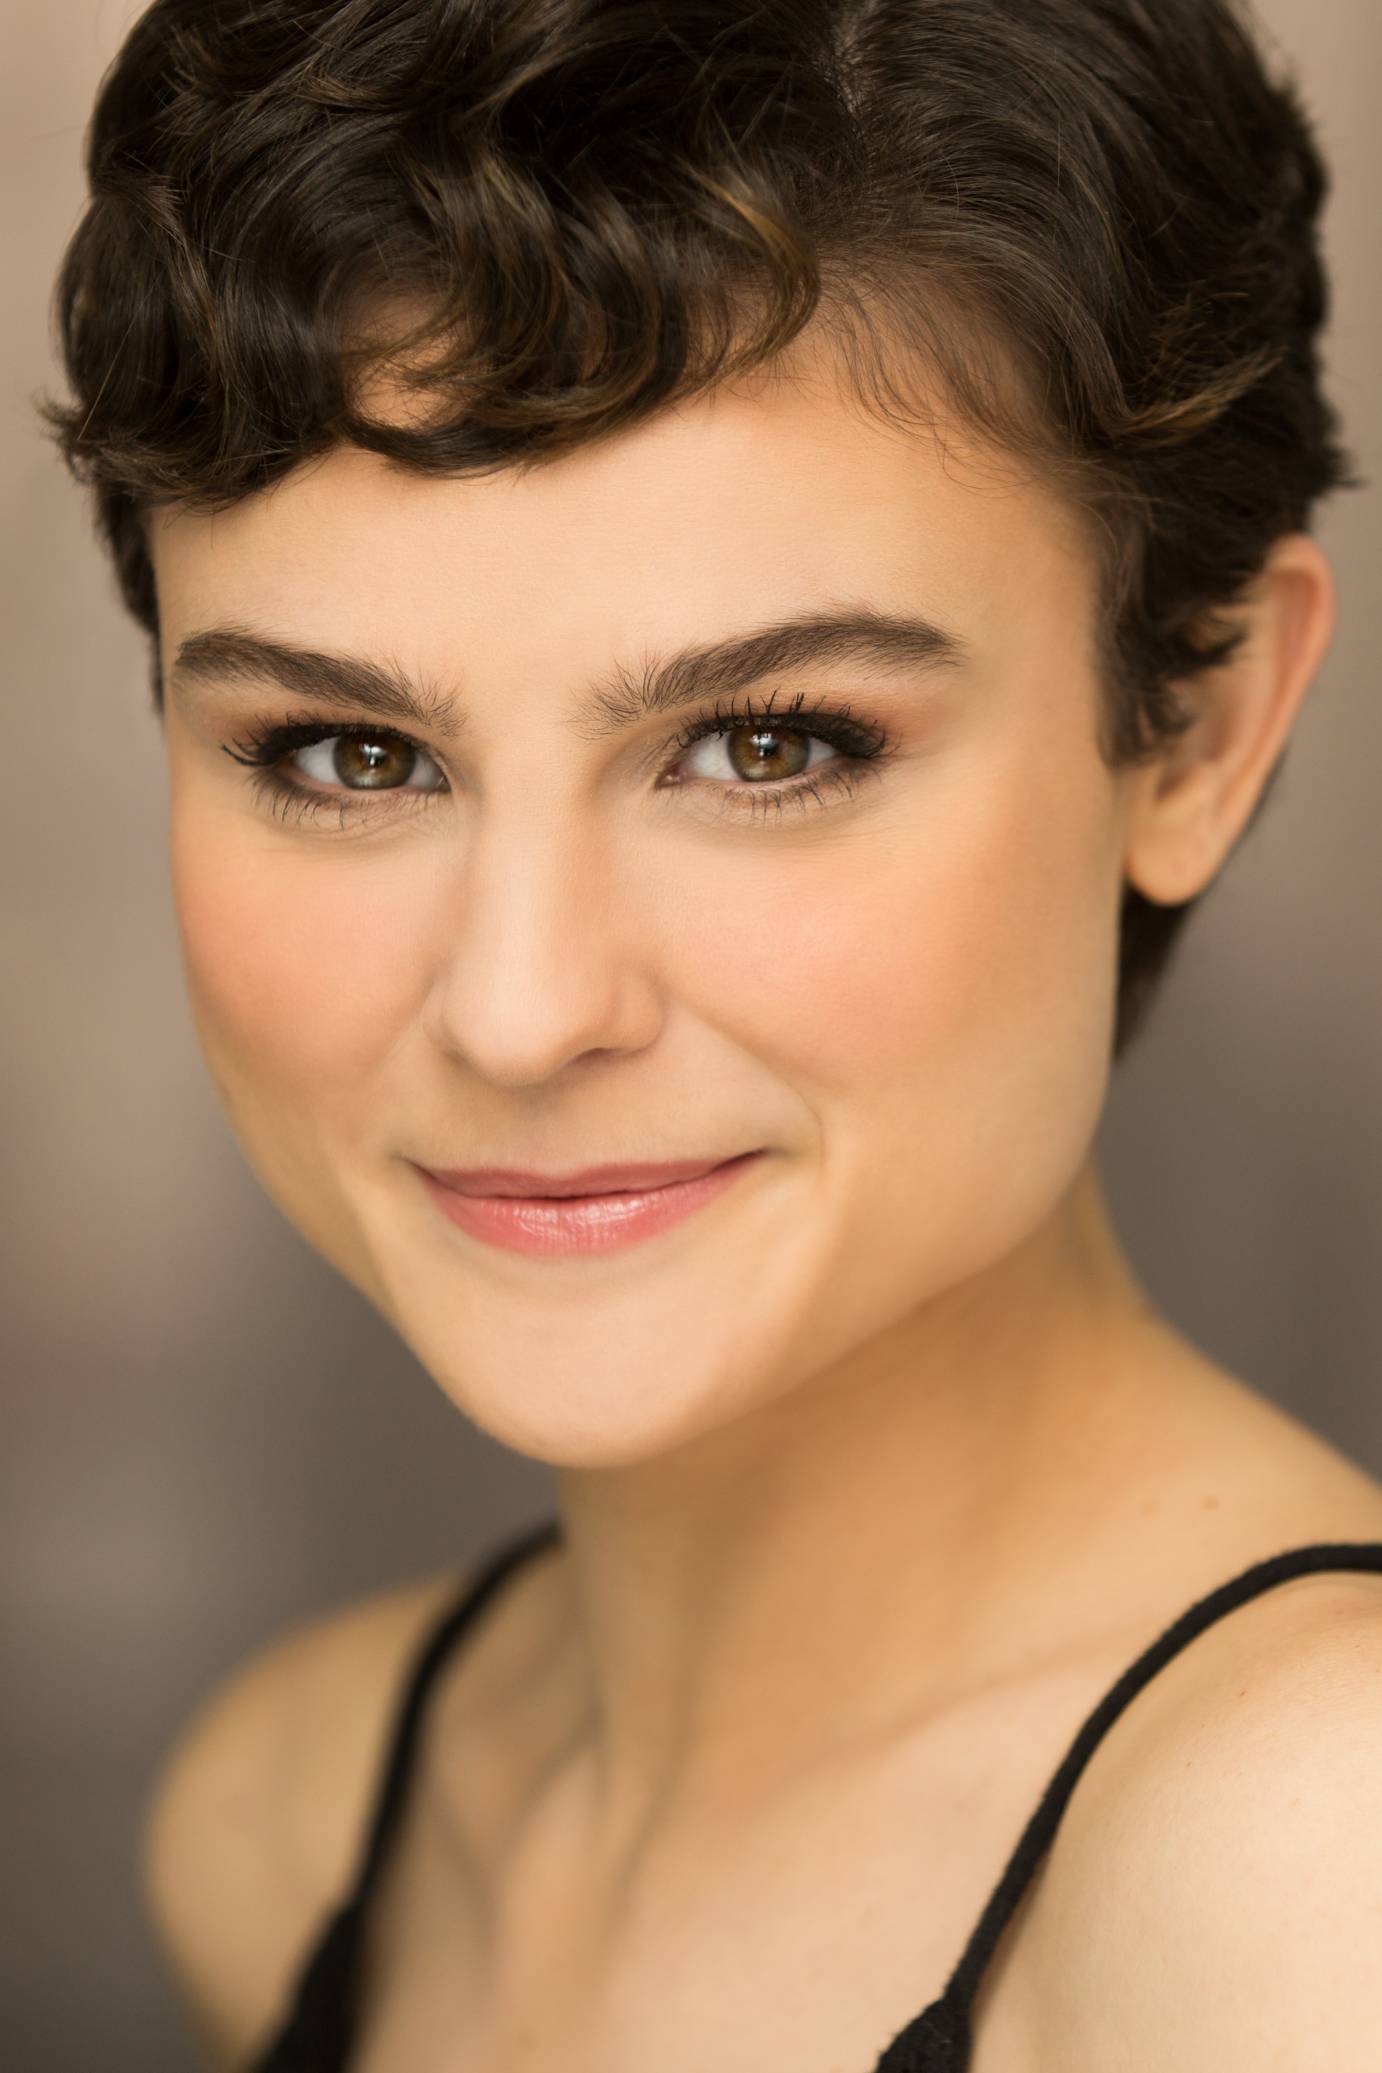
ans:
x=1171 y=855
x=1187 y=809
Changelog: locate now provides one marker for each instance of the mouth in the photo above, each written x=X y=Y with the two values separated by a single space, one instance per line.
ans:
x=599 y=1219
x=530 y=1185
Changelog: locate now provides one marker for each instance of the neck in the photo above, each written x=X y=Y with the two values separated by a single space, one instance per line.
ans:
x=875 y=1542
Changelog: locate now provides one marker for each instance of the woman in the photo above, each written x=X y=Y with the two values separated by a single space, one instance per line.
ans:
x=722 y=581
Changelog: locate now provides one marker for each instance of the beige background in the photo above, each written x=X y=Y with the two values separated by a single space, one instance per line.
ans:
x=207 y=1434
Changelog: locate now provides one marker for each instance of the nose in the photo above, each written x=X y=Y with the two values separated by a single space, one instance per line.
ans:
x=546 y=953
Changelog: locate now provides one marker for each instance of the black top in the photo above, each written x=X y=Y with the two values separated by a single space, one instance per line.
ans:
x=316 y=2034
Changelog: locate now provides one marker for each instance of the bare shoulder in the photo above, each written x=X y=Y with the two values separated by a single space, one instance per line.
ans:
x=251 y=1827
x=1215 y=1897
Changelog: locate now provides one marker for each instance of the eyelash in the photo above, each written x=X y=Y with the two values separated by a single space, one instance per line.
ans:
x=862 y=747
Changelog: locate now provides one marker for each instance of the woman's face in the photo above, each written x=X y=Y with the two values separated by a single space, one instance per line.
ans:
x=536 y=933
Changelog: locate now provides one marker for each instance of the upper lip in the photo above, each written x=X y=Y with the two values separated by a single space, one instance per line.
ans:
x=588 y=1180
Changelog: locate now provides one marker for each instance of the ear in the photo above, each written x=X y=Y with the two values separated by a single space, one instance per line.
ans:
x=1185 y=810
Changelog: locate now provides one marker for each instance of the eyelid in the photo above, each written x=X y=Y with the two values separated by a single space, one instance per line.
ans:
x=267 y=743
x=836 y=720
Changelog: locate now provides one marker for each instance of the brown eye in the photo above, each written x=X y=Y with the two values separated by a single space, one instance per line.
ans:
x=757 y=753
x=366 y=763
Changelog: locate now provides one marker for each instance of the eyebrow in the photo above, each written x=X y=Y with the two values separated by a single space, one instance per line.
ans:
x=860 y=634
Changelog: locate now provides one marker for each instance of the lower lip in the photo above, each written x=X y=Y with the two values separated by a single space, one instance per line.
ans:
x=546 y=1224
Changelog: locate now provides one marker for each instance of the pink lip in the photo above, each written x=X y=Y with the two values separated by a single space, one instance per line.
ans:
x=586 y=1180
x=591 y=1222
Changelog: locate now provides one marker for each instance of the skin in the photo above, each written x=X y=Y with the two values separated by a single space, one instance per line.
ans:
x=887 y=1451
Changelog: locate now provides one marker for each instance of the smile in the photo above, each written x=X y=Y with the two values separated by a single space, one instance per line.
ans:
x=562 y=1225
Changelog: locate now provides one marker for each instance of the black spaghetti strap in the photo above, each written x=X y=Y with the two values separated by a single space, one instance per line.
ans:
x=440 y=1640
x=938 y=2040
x=317 y=2033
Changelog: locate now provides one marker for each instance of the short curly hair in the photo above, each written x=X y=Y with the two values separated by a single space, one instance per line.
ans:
x=1095 y=222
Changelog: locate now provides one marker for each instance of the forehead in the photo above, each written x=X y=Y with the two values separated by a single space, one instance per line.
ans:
x=760 y=496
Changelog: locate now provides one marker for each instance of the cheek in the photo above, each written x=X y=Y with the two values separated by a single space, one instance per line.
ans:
x=298 y=971
x=939 y=987
x=972 y=924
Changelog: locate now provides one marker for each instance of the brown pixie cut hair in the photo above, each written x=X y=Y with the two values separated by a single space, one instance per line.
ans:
x=1094 y=222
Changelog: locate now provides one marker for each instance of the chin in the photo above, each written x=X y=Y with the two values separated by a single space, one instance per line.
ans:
x=570 y=1418
x=601 y=1364
x=583 y=1390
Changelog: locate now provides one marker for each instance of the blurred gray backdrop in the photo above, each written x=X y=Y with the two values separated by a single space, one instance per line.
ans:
x=207 y=1434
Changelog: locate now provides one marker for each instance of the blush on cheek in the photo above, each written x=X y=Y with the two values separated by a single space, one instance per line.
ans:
x=302 y=970
x=299 y=970
x=876 y=963
x=958 y=958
